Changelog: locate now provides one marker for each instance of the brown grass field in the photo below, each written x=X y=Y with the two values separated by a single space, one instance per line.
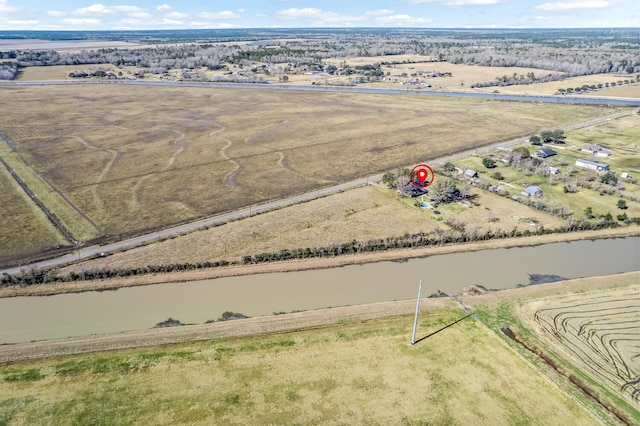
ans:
x=360 y=214
x=21 y=220
x=351 y=372
x=136 y=158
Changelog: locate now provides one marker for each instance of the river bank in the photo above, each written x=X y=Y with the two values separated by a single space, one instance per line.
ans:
x=309 y=264
x=291 y=322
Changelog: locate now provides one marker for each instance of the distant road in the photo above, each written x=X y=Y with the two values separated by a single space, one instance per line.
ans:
x=246 y=212
x=571 y=99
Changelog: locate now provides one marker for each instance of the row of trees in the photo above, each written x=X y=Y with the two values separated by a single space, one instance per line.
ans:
x=37 y=276
x=579 y=57
x=588 y=87
x=548 y=136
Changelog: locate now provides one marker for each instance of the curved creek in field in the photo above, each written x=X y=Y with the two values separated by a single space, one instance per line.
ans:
x=35 y=318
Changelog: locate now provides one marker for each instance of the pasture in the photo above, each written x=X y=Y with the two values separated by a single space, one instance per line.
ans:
x=353 y=371
x=131 y=158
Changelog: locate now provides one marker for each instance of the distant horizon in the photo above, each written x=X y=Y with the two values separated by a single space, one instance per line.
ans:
x=156 y=15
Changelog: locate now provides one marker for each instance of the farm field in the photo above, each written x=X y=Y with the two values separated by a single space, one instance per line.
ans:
x=599 y=331
x=21 y=220
x=354 y=371
x=589 y=327
x=131 y=159
x=359 y=214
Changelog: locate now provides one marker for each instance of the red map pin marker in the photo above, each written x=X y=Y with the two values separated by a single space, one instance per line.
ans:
x=422 y=175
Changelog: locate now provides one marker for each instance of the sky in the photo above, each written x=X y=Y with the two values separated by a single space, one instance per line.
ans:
x=167 y=14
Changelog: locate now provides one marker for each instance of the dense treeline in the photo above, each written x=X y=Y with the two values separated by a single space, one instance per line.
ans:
x=37 y=276
x=460 y=234
x=574 y=54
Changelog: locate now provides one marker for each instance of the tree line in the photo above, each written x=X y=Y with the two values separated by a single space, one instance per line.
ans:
x=580 y=56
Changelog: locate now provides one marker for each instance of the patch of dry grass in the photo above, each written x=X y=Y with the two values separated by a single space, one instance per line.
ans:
x=351 y=372
x=360 y=214
x=190 y=152
x=25 y=228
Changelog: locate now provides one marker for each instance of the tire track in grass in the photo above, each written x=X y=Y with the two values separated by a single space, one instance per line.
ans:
x=229 y=178
x=282 y=162
x=180 y=146
x=115 y=156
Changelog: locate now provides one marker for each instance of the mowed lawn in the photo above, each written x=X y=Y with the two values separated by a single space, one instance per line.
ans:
x=353 y=372
x=135 y=158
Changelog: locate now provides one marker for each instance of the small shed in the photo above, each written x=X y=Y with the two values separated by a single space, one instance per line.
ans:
x=532 y=191
x=554 y=170
x=470 y=173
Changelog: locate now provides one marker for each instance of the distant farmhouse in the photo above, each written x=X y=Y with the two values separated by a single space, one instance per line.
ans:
x=592 y=165
x=532 y=191
x=545 y=152
x=596 y=149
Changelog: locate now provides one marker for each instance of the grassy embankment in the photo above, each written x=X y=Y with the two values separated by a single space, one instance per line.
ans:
x=352 y=371
x=141 y=152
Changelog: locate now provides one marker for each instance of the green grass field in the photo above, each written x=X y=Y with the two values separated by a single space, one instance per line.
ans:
x=135 y=158
x=353 y=372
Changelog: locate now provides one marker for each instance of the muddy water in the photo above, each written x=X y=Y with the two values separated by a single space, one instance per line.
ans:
x=36 y=318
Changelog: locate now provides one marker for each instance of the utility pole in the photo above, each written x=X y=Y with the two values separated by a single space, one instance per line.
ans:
x=415 y=320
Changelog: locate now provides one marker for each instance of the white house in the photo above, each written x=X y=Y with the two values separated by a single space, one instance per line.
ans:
x=592 y=165
x=532 y=191
x=596 y=149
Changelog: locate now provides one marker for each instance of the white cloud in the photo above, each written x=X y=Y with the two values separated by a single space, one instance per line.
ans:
x=22 y=22
x=578 y=4
x=401 y=20
x=176 y=15
x=322 y=17
x=81 y=22
x=130 y=21
x=94 y=9
x=100 y=9
x=4 y=7
x=166 y=21
x=295 y=13
x=56 y=13
x=471 y=2
x=223 y=14
x=163 y=8
x=457 y=3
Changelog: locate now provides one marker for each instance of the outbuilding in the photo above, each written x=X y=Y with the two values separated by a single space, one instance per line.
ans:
x=532 y=191
x=592 y=165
